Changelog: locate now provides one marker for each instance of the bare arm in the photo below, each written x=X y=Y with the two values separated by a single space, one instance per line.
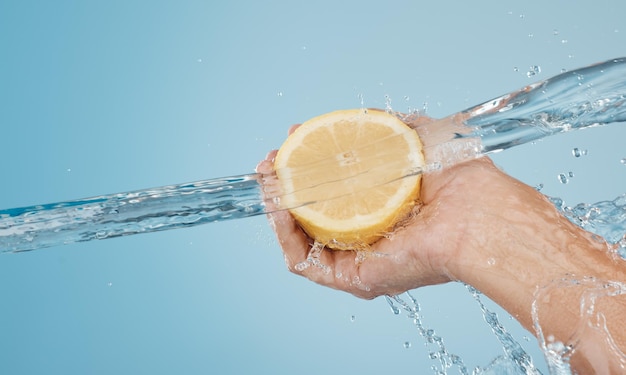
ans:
x=522 y=253
x=479 y=226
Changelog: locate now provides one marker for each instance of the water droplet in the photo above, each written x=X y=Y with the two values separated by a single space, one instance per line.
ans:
x=69 y=169
x=199 y=60
x=570 y=174
x=407 y=98
x=539 y=186
x=576 y=152
x=395 y=310
x=361 y=100
x=562 y=178
x=456 y=360
x=533 y=71
x=302 y=266
x=280 y=93
x=623 y=161
x=563 y=41
x=109 y=284
x=407 y=344
x=491 y=261
x=303 y=48
x=388 y=106
x=521 y=16
x=433 y=355
x=555 y=32
x=515 y=69
x=352 y=318
x=531 y=35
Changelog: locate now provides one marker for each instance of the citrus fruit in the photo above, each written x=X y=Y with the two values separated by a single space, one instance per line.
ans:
x=349 y=176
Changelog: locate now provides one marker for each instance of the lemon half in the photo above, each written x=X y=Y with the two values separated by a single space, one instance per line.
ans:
x=349 y=176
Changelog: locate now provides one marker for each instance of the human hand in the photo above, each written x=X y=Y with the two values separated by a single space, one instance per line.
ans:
x=458 y=205
x=480 y=226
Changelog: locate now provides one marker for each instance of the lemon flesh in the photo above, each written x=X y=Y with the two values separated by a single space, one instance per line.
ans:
x=348 y=177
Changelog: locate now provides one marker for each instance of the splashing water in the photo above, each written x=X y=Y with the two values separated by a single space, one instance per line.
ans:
x=607 y=219
x=573 y=100
x=515 y=360
x=435 y=344
x=591 y=322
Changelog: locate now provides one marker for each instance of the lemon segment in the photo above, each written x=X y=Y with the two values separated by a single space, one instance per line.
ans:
x=349 y=176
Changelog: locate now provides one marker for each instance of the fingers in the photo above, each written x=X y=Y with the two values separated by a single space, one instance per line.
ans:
x=293 y=128
x=293 y=241
x=415 y=119
x=266 y=166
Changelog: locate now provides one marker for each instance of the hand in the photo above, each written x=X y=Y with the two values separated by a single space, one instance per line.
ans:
x=454 y=203
x=479 y=226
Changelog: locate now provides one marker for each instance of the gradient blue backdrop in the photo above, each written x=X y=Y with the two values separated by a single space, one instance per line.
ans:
x=105 y=96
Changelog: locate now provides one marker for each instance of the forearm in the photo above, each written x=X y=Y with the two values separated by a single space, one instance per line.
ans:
x=538 y=258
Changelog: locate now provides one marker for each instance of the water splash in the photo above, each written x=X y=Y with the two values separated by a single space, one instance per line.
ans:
x=435 y=344
x=313 y=259
x=577 y=152
x=607 y=219
x=577 y=99
x=515 y=360
x=591 y=322
x=533 y=71
x=573 y=100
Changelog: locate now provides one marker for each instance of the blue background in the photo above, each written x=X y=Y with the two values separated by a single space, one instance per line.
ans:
x=100 y=97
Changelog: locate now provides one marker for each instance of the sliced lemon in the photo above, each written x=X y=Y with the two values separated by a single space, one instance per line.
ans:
x=348 y=177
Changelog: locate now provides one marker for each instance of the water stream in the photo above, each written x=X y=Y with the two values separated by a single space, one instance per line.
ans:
x=581 y=98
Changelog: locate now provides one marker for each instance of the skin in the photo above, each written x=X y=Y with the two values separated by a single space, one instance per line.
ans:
x=479 y=226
